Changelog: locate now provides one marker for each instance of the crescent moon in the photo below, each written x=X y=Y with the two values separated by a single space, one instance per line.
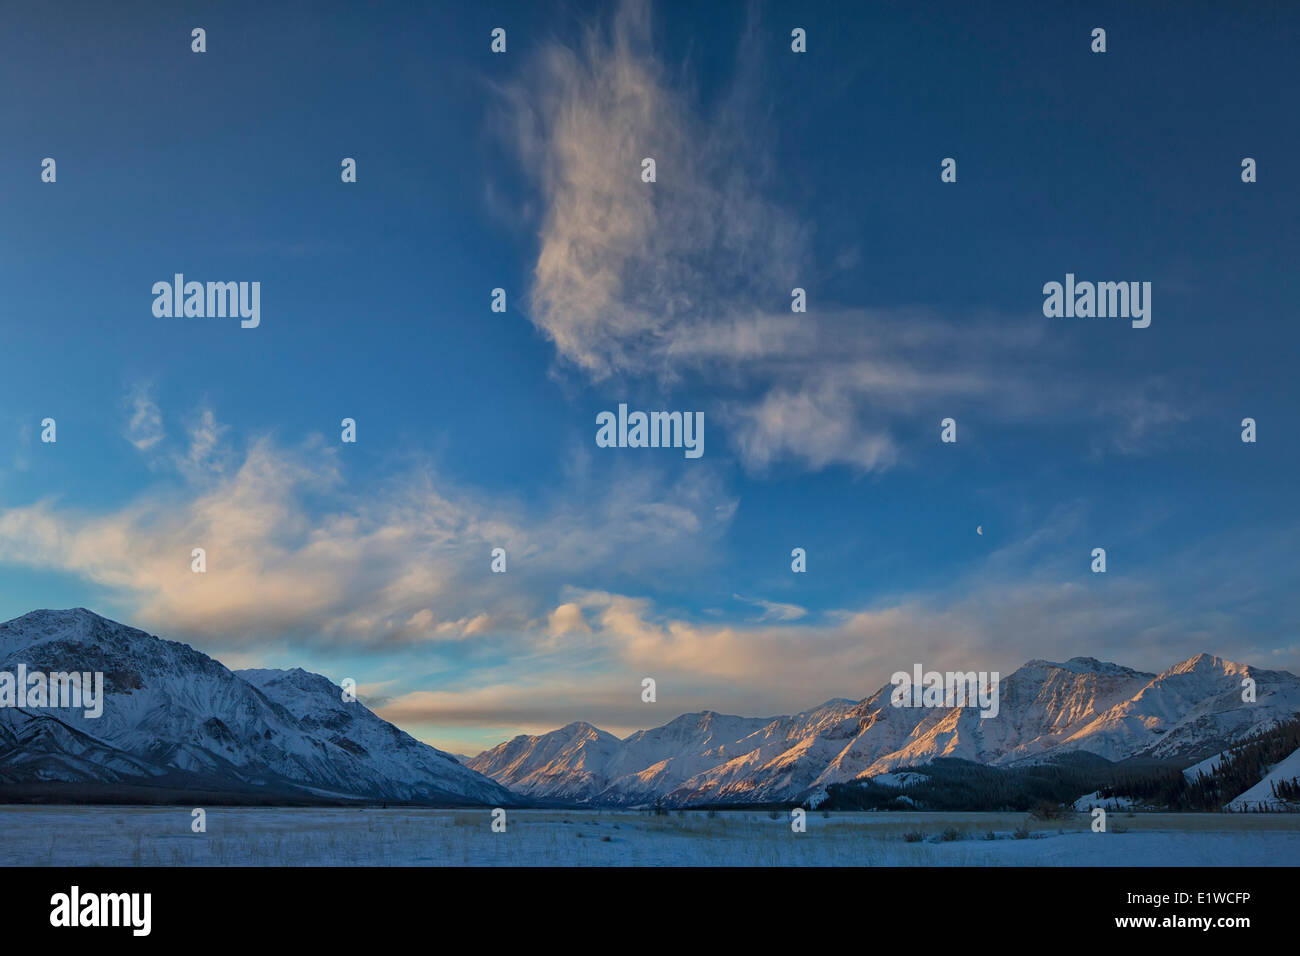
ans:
x=979 y=529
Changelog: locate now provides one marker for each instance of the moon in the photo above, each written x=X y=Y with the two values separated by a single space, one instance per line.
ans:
x=979 y=529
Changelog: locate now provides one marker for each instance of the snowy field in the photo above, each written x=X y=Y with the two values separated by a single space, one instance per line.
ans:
x=152 y=836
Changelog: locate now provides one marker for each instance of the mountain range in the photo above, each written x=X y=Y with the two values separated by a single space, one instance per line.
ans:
x=1185 y=713
x=175 y=721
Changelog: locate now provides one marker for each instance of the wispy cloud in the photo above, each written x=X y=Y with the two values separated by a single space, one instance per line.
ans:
x=144 y=426
x=625 y=268
x=775 y=610
x=293 y=551
x=1028 y=601
x=1145 y=420
x=688 y=280
x=296 y=556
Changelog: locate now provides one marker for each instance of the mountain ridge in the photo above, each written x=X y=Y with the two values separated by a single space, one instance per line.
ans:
x=179 y=720
x=1047 y=709
x=175 y=719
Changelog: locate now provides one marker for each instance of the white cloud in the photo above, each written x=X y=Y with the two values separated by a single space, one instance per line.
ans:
x=144 y=427
x=817 y=429
x=1028 y=601
x=775 y=610
x=567 y=619
x=294 y=551
x=624 y=266
x=207 y=456
x=688 y=280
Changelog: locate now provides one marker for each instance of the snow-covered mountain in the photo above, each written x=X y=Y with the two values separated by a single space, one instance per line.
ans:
x=176 y=719
x=1185 y=713
x=566 y=764
x=1261 y=796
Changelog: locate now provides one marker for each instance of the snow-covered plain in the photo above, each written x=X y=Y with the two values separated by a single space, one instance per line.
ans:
x=153 y=836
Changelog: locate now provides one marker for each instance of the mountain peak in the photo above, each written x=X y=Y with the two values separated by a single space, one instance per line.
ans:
x=1080 y=665
x=77 y=624
x=62 y=612
x=48 y=615
x=169 y=710
x=265 y=677
x=577 y=727
x=1091 y=663
x=1204 y=663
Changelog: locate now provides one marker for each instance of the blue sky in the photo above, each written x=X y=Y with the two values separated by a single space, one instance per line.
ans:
x=476 y=429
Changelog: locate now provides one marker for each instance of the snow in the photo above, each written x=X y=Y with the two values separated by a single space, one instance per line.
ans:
x=138 y=836
x=1046 y=709
x=171 y=710
x=1095 y=799
x=903 y=779
x=1261 y=795
x=168 y=708
x=1207 y=766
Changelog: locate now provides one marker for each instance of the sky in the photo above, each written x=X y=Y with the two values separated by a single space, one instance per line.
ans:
x=476 y=429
